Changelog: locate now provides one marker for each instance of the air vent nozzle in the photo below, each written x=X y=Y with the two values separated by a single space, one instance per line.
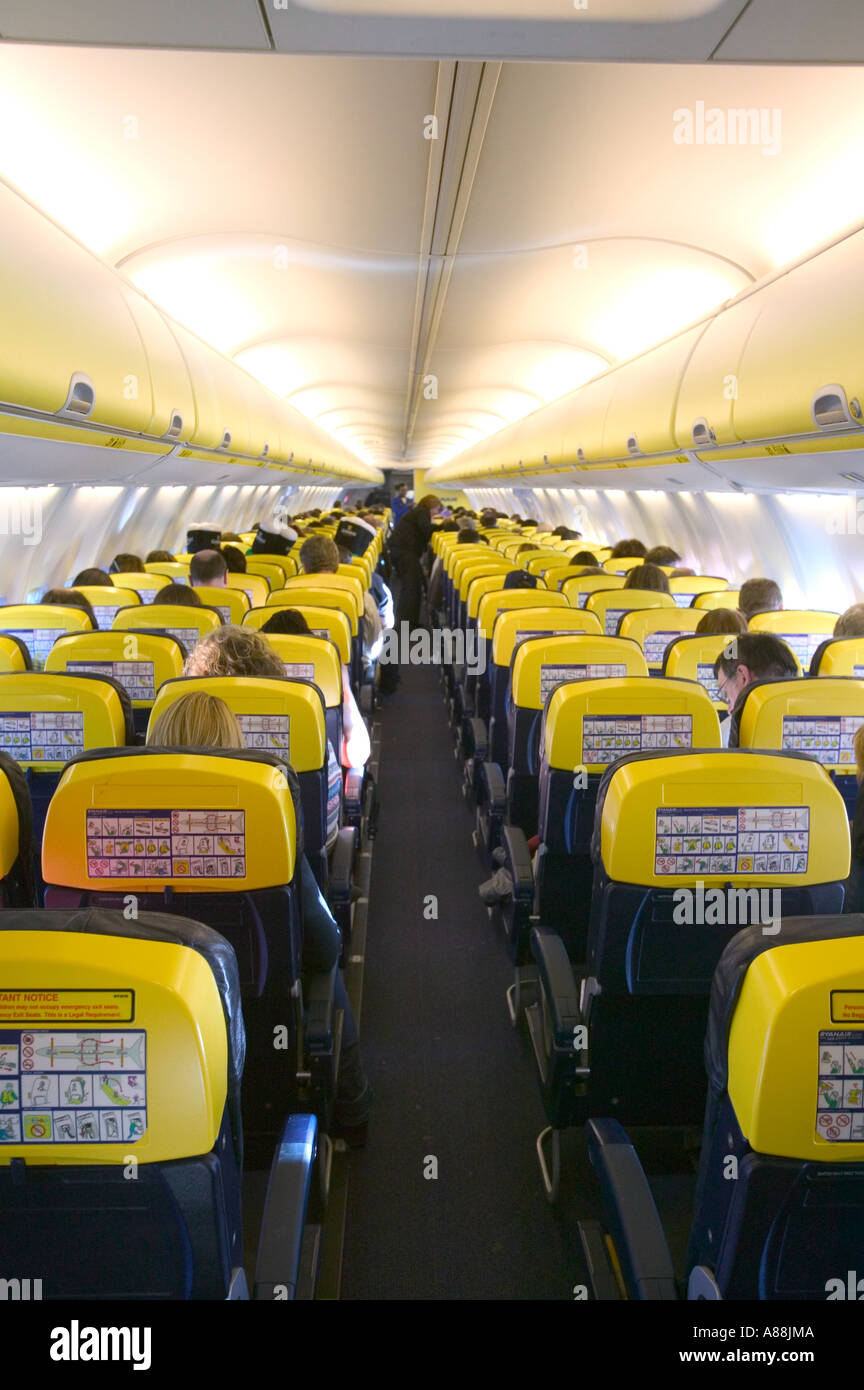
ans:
x=580 y=455
x=831 y=410
x=633 y=446
x=702 y=433
x=175 y=428
x=226 y=440
x=81 y=397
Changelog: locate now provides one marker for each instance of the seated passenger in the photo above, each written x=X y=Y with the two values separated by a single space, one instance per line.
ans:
x=70 y=598
x=584 y=557
x=125 y=563
x=662 y=555
x=567 y=534
x=208 y=569
x=181 y=594
x=160 y=557
x=851 y=623
x=754 y=656
x=529 y=545
x=647 y=577
x=855 y=883
x=519 y=579
x=91 y=576
x=759 y=596
x=320 y=555
x=199 y=720
x=234 y=559
x=355 y=736
x=719 y=620
x=629 y=549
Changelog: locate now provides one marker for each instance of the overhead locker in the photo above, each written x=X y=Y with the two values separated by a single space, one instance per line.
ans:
x=221 y=417
x=172 y=414
x=640 y=417
x=710 y=384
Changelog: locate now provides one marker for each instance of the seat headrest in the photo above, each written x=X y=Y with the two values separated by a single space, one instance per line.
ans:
x=592 y=722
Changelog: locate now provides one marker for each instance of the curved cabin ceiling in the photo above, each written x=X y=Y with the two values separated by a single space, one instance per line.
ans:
x=415 y=294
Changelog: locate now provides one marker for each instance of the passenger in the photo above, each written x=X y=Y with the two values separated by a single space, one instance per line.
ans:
x=408 y=542
x=355 y=736
x=629 y=549
x=662 y=555
x=682 y=574
x=208 y=569
x=754 y=656
x=320 y=555
x=70 y=598
x=566 y=534
x=584 y=557
x=759 y=596
x=91 y=576
x=529 y=545
x=125 y=563
x=199 y=720
x=719 y=620
x=851 y=623
x=160 y=557
x=181 y=594
x=647 y=577
x=854 y=901
x=520 y=579
x=234 y=559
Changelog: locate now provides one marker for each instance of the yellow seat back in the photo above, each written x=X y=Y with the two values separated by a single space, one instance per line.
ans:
x=329 y=623
x=38 y=625
x=187 y=624
x=686 y=587
x=693 y=658
x=623 y=564
x=505 y=600
x=801 y=629
x=145 y=585
x=265 y=569
x=541 y=664
x=610 y=607
x=286 y=564
x=276 y=716
x=718 y=598
x=579 y=590
x=318 y=596
x=655 y=628
x=538 y=561
x=339 y=583
x=254 y=586
x=230 y=603
x=593 y=722
x=843 y=656
x=517 y=626
x=177 y=570
x=47 y=718
x=14 y=655
x=140 y=661
x=478 y=583
x=818 y=717
x=310 y=658
x=106 y=600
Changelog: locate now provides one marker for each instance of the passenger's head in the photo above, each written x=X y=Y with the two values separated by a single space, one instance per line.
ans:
x=233 y=651
x=851 y=623
x=180 y=594
x=584 y=557
x=718 y=620
x=488 y=518
x=682 y=573
x=754 y=656
x=580 y=571
x=125 y=563
x=234 y=559
x=566 y=534
x=449 y=526
x=319 y=555
x=628 y=549
x=91 y=576
x=287 y=621
x=431 y=503
x=662 y=555
x=647 y=577
x=208 y=568
x=519 y=579
x=468 y=536
x=858 y=745
x=759 y=596
x=159 y=557
x=197 y=720
x=529 y=545
x=70 y=598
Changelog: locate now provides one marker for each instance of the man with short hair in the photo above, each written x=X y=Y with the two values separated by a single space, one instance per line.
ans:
x=208 y=569
x=754 y=656
x=320 y=555
x=759 y=596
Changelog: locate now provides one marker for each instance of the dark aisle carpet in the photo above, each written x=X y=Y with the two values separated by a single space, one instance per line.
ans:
x=453 y=1081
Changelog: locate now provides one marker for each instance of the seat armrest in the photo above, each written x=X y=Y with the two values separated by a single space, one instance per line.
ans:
x=353 y=792
x=631 y=1214
x=492 y=788
x=518 y=862
x=277 y=1264
x=475 y=739
x=558 y=982
x=318 y=1019
x=341 y=865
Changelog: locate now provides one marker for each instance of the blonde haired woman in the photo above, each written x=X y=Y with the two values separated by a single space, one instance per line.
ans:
x=199 y=720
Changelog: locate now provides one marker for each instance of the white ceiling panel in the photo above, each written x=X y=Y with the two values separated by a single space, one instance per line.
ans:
x=803 y=31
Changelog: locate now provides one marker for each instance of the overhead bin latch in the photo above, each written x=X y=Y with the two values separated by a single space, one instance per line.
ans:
x=633 y=447
x=702 y=433
x=175 y=428
x=831 y=410
x=226 y=440
x=580 y=456
x=81 y=397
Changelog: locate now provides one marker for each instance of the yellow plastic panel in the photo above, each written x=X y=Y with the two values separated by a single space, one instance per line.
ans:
x=684 y=588
x=579 y=589
x=818 y=717
x=583 y=421
x=310 y=658
x=622 y=565
x=38 y=625
x=168 y=569
x=143 y=584
x=512 y=629
x=275 y=716
x=273 y=573
x=230 y=603
x=171 y=385
x=692 y=658
x=844 y=656
x=464 y=575
x=318 y=596
x=710 y=381
x=171 y=1042
x=12 y=656
x=107 y=599
x=655 y=628
x=9 y=827
x=140 y=661
x=807 y=336
x=538 y=563
x=244 y=809
x=585 y=721
x=187 y=624
x=541 y=664
x=220 y=405
x=479 y=583
x=342 y=583
x=284 y=564
x=502 y=600
x=717 y=598
x=557 y=575
x=643 y=399
x=801 y=629
x=330 y=621
x=725 y=799
x=610 y=606
x=795 y=1048
x=46 y=719
x=254 y=586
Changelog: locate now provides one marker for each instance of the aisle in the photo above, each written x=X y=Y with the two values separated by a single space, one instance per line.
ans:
x=453 y=1084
